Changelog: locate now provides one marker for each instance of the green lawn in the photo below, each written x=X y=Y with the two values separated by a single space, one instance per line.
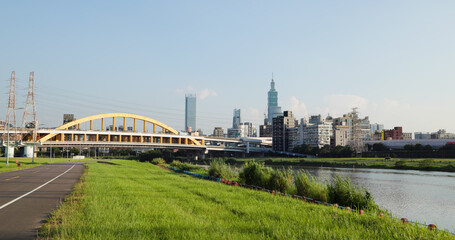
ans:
x=132 y=200
x=27 y=162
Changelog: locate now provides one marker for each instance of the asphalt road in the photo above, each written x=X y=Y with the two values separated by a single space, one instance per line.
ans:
x=28 y=196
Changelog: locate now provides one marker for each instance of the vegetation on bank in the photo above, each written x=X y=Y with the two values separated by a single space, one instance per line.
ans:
x=340 y=190
x=27 y=162
x=380 y=150
x=302 y=183
x=133 y=200
x=446 y=165
x=325 y=151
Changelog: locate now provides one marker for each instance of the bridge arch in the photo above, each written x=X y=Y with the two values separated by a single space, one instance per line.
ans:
x=125 y=116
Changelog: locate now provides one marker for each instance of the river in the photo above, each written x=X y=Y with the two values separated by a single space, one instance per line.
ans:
x=425 y=197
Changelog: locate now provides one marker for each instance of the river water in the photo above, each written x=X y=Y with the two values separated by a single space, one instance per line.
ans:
x=425 y=197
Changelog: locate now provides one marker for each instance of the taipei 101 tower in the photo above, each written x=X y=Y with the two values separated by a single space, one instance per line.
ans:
x=273 y=109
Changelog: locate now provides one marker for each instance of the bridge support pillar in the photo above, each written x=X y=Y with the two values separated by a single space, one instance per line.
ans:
x=28 y=151
x=9 y=151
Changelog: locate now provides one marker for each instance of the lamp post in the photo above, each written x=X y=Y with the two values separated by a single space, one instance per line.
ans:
x=7 y=144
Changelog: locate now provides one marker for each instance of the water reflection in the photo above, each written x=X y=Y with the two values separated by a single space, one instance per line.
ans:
x=426 y=197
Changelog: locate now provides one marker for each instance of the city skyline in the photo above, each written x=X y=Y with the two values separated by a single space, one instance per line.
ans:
x=143 y=58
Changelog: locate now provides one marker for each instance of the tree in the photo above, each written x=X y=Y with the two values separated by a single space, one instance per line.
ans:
x=379 y=147
x=409 y=147
x=150 y=155
x=418 y=147
x=75 y=151
x=56 y=151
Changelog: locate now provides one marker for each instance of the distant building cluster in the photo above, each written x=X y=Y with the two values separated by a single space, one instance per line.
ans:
x=288 y=132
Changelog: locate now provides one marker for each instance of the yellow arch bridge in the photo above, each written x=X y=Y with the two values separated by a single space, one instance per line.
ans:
x=144 y=131
x=124 y=130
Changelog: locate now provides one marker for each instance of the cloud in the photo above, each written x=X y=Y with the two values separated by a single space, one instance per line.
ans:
x=201 y=95
x=298 y=109
x=339 y=104
x=205 y=93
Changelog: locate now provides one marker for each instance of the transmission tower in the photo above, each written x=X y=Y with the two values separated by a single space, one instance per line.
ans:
x=11 y=114
x=30 y=108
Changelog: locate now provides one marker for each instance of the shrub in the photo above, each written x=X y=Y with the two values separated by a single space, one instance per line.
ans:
x=401 y=163
x=184 y=166
x=307 y=185
x=343 y=192
x=219 y=169
x=255 y=174
x=281 y=180
x=427 y=163
x=158 y=161
x=148 y=156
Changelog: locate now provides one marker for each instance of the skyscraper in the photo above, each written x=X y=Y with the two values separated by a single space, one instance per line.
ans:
x=273 y=109
x=190 y=112
x=235 y=131
x=236 y=119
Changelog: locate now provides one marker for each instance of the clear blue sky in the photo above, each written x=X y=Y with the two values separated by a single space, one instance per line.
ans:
x=392 y=59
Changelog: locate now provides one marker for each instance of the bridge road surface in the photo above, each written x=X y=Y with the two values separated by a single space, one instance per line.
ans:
x=20 y=218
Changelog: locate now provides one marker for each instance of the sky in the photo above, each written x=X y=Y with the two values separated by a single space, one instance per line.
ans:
x=394 y=60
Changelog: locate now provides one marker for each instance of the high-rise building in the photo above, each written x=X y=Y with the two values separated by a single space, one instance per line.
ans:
x=190 y=112
x=284 y=132
x=249 y=129
x=236 y=119
x=69 y=118
x=272 y=103
x=236 y=130
x=341 y=136
x=218 y=132
x=421 y=135
x=393 y=134
x=315 y=119
x=266 y=129
x=375 y=127
x=317 y=134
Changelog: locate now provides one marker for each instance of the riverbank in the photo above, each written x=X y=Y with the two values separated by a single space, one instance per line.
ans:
x=132 y=200
x=443 y=165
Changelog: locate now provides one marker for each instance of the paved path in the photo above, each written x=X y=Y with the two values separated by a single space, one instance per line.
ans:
x=28 y=196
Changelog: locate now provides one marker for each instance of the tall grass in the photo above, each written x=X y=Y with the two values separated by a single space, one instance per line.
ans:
x=254 y=173
x=339 y=190
x=309 y=186
x=158 y=161
x=184 y=166
x=281 y=180
x=219 y=169
x=343 y=192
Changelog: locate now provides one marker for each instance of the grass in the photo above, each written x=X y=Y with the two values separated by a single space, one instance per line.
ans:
x=135 y=200
x=436 y=164
x=27 y=162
